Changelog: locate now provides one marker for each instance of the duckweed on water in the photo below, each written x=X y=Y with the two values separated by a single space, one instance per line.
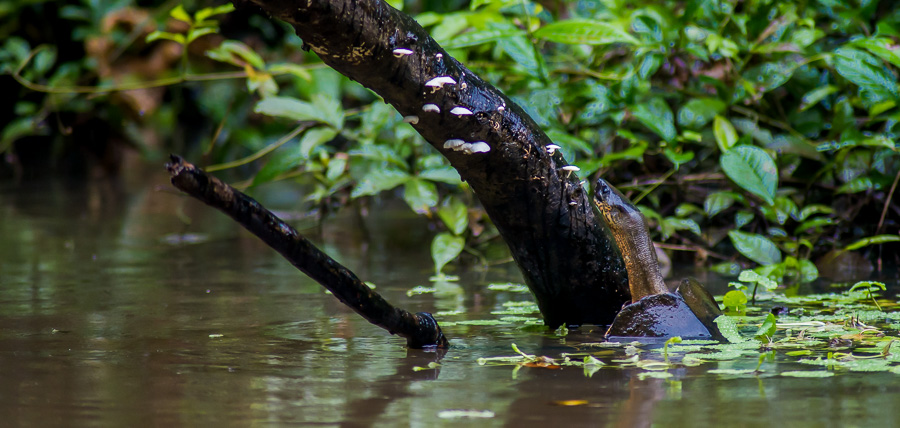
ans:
x=838 y=333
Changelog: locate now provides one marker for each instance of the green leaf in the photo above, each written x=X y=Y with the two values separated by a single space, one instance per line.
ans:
x=864 y=70
x=196 y=33
x=156 y=35
x=883 y=47
x=454 y=213
x=726 y=135
x=717 y=202
x=294 y=69
x=336 y=167
x=657 y=116
x=444 y=174
x=323 y=109
x=229 y=49
x=377 y=180
x=729 y=328
x=207 y=12
x=752 y=169
x=584 y=32
x=314 y=138
x=755 y=247
x=697 y=112
x=872 y=240
x=742 y=218
x=735 y=299
x=475 y=38
x=444 y=248
x=678 y=159
x=814 y=96
x=570 y=144
x=420 y=195
x=276 y=166
x=767 y=329
x=44 y=59
x=179 y=14
x=808 y=271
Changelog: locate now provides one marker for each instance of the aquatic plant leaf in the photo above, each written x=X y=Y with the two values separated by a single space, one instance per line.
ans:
x=752 y=169
x=767 y=329
x=729 y=328
x=807 y=373
x=654 y=375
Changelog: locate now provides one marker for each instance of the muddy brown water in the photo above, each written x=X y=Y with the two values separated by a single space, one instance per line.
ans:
x=114 y=313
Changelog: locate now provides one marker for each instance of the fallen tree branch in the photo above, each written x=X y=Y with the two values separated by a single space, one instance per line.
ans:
x=420 y=329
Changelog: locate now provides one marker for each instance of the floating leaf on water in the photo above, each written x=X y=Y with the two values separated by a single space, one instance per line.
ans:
x=459 y=414
x=511 y=287
x=807 y=373
x=734 y=372
x=654 y=375
x=420 y=289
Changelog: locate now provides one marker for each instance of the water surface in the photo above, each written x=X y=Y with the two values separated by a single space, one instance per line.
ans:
x=114 y=312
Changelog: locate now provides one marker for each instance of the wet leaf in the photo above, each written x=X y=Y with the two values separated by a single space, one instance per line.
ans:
x=864 y=70
x=697 y=112
x=752 y=169
x=729 y=328
x=657 y=116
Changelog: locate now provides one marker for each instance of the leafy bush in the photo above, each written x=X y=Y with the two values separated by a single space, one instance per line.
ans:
x=762 y=127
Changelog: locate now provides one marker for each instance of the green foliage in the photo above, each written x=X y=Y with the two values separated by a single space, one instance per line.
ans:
x=779 y=119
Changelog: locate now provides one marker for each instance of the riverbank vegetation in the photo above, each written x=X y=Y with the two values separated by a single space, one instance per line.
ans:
x=750 y=133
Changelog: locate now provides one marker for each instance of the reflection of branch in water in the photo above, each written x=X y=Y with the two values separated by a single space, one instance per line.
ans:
x=420 y=329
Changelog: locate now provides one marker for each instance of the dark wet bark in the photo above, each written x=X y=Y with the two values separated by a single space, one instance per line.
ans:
x=420 y=329
x=540 y=209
